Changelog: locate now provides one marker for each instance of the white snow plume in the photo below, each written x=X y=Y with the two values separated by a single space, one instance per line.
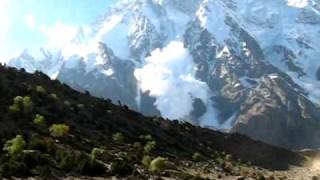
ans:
x=168 y=75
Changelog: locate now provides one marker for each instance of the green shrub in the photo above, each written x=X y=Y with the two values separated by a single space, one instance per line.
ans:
x=137 y=146
x=79 y=162
x=14 y=108
x=27 y=104
x=197 y=157
x=158 y=164
x=54 y=96
x=17 y=104
x=147 y=137
x=15 y=145
x=40 y=89
x=121 y=167
x=146 y=160
x=67 y=103
x=39 y=120
x=43 y=144
x=80 y=106
x=118 y=137
x=97 y=152
x=13 y=168
x=21 y=103
x=150 y=146
x=59 y=130
x=228 y=157
x=18 y=100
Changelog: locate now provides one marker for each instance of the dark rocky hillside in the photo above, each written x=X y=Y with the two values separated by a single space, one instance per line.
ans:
x=50 y=131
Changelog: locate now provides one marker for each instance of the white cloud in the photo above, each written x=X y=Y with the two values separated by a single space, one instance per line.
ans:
x=297 y=3
x=30 y=21
x=59 y=35
x=168 y=76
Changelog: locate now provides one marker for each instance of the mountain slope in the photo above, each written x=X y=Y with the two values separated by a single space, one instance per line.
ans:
x=235 y=65
x=106 y=140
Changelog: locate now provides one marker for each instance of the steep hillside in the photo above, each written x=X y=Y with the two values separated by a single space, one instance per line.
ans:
x=49 y=130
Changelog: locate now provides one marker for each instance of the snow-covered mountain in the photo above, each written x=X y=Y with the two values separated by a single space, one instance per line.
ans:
x=250 y=66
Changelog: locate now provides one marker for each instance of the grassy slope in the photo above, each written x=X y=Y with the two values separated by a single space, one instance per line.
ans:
x=93 y=122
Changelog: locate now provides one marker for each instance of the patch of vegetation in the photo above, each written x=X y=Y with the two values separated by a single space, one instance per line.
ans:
x=158 y=164
x=150 y=146
x=146 y=160
x=40 y=89
x=59 y=130
x=118 y=137
x=15 y=145
x=39 y=120
x=21 y=104
x=54 y=96
x=197 y=157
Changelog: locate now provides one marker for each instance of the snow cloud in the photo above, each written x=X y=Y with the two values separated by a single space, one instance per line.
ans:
x=168 y=76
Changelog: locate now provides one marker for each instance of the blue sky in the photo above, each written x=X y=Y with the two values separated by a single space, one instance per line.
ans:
x=33 y=23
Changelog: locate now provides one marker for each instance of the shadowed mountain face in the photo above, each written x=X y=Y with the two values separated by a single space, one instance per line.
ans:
x=249 y=67
x=50 y=131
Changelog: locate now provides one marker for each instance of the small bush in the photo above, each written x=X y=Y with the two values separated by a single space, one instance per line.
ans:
x=20 y=103
x=228 y=157
x=80 y=106
x=59 y=130
x=80 y=162
x=118 y=137
x=146 y=160
x=197 y=157
x=27 y=104
x=18 y=100
x=150 y=146
x=43 y=144
x=14 y=108
x=54 y=96
x=158 y=164
x=39 y=120
x=147 y=137
x=67 y=103
x=15 y=145
x=97 y=152
x=13 y=168
x=40 y=90
x=121 y=167
x=137 y=146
